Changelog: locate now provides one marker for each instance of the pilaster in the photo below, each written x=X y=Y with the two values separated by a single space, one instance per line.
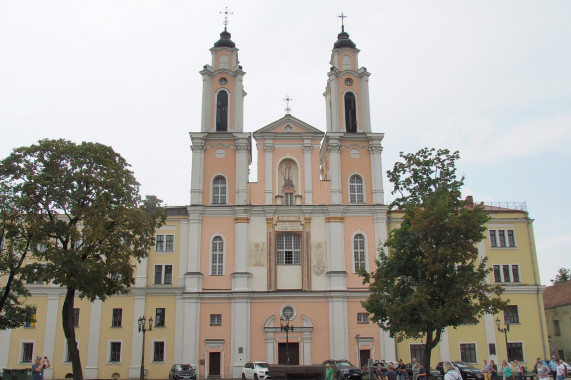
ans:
x=196 y=181
x=307 y=150
x=91 y=366
x=268 y=158
x=136 y=336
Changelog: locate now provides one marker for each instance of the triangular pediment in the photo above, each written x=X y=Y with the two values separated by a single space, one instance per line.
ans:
x=288 y=125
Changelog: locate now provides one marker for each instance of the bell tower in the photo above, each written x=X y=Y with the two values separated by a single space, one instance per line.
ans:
x=347 y=91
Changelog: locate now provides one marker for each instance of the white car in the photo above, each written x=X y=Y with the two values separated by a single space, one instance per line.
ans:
x=255 y=371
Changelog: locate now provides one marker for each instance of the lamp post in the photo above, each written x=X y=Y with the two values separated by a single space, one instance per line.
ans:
x=505 y=331
x=143 y=328
x=285 y=326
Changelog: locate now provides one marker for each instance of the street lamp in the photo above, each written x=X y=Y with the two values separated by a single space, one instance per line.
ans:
x=143 y=328
x=505 y=331
x=285 y=326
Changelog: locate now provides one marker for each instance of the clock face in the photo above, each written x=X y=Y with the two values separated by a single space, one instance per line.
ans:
x=348 y=82
x=287 y=312
x=223 y=81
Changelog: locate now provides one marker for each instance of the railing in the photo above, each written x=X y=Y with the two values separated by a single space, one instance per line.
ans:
x=506 y=206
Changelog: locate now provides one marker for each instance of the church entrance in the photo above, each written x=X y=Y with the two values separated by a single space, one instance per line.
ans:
x=290 y=349
x=214 y=364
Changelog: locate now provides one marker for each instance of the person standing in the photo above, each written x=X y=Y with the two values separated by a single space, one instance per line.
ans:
x=517 y=371
x=390 y=374
x=421 y=372
x=553 y=367
x=401 y=370
x=493 y=370
x=487 y=370
x=561 y=370
x=414 y=369
x=328 y=372
x=507 y=371
x=543 y=371
x=450 y=372
x=39 y=366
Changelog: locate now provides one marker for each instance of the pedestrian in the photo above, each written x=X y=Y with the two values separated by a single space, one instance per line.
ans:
x=390 y=374
x=414 y=369
x=561 y=370
x=487 y=370
x=507 y=371
x=493 y=370
x=379 y=371
x=401 y=370
x=39 y=366
x=517 y=370
x=450 y=372
x=553 y=367
x=421 y=372
x=543 y=371
x=328 y=372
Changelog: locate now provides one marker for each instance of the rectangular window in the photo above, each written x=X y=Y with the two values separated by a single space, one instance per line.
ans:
x=506 y=273
x=163 y=274
x=502 y=236
x=215 y=319
x=511 y=314
x=497 y=274
x=117 y=318
x=75 y=317
x=160 y=317
x=169 y=246
x=32 y=323
x=362 y=318
x=288 y=249
x=493 y=240
x=159 y=351
x=160 y=243
x=515 y=273
x=27 y=352
x=115 y=352
x=492 y=348
x=417 y=352
x=511 y=238
x=468 y=352
x=289 y=199
x=556 y=327
x=515 y=351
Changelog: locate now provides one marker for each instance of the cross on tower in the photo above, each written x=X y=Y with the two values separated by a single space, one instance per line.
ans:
x=226 y=13
x=342 y=25
x=288 y=99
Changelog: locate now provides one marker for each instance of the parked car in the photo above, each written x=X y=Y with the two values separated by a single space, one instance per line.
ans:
x=255 y=371
x=343 y=369
x=466 y=370
x=182 y=371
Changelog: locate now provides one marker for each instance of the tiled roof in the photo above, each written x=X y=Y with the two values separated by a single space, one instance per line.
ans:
x=557 y=295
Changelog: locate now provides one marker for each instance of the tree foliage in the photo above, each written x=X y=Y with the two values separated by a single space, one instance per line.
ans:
x=83 y=208
x=431 y=277
x=562 y=275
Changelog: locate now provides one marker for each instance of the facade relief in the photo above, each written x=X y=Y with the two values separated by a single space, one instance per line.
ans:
x=258 y=254
x=318 y=258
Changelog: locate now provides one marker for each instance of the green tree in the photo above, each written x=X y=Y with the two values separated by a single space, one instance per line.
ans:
x=82 y=204
x=432 y=277
x=15 y=241
x=562 y=275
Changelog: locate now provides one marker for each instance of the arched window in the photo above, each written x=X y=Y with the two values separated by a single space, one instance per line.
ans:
x=288 y=249
x=219 y=190
x=222 y=111
x=350 y=112
x=359 y=256
x=217 y=257
x=356 y=189
x=347 y=63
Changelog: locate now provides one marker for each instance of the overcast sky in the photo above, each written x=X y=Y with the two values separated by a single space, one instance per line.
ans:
x=489 y=78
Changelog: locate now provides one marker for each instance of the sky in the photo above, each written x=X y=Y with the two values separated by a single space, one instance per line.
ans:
x=490 y=78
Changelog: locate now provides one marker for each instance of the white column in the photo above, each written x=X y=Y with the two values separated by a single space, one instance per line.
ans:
x=240 y=334
x=242 y=150
x=336 y=256
x=51 y=328
x=490 y=326
x=335 y=169
x=136 y=336
x=338 y=340
x=240 y=275
x=269 y=149
x=365 y=106
x=5 y=337
x=335 y=124
x=388 y=349
x=444 y=345
x=206 y=101
x=91 y=369
x=375 y=150
x=193 y=277
x=307 y=149
x=141 y=273
x=196 y=180
x=190 y=331
x=239 y=103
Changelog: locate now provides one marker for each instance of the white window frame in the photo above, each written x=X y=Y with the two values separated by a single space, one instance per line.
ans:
x=211 y=266
x=502 y=276
x=164 y=341
x=365 y=252
x=356 y=109
x=296 y=258
x=225 y=88
x=226 y=194
x=164 y=317
x=21 y=353
x=363 y=187
x=475 y=350
x=112 y=317
x=165 y=238
x=213 y=316
x=163 y=274
x=518 y=318
x=496 y=234
x=360 y=319
x=109 y=341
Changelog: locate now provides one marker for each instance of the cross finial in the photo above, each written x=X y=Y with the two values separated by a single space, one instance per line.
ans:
x=288 y=99
x=226 y=13
x=342 y=16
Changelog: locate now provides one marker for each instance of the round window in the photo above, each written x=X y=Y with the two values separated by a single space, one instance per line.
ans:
x=223 y=81
x=348 y=82
x=288 y=312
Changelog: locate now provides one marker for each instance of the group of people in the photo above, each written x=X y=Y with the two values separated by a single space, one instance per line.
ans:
x=555 y=369
x=514 y=371
x=397 y=371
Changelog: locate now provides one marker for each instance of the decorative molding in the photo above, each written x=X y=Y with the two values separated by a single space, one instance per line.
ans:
x=334 y=219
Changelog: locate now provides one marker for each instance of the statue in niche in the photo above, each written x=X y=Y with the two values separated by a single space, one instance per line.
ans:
x=288 y=175
x=320 y=266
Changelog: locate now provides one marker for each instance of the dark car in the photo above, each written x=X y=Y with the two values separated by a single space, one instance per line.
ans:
x=182 y=371
x=466 y=370
x=343 y=369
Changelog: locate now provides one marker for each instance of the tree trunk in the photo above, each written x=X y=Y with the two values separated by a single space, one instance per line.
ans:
x=69 y=331
x=432 y=340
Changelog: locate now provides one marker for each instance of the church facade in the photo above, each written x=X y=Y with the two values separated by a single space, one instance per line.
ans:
x=245 y=259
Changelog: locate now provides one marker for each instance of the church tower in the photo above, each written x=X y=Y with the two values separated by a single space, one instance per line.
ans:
x=221 y=140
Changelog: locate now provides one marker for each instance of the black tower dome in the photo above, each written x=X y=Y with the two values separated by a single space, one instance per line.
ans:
x=343 y=40
x=225 y=40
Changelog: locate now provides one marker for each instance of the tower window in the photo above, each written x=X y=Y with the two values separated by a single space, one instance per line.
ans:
x=219 y=190
x=289 y=249
x=348 y=82
x=356 y=189
x=288 y=199
x=223 y=81
x=359 y=252
x=222 y=111
x=350 y=113
x=217 y=257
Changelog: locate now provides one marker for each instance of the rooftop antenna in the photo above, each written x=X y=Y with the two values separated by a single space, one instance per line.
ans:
x=288 y=99
x=342 y=16
x=226 y=13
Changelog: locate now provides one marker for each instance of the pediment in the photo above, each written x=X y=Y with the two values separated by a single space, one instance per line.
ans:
x=288 y=125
